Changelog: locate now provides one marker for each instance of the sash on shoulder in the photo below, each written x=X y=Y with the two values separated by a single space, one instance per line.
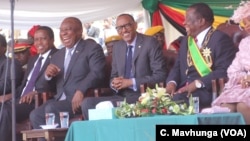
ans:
x=198 y=61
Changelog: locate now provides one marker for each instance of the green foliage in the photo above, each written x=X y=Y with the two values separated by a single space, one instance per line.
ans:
x=154 y=102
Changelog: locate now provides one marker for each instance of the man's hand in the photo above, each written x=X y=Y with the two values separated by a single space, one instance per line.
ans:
x=52 y=70
x=28 y=97
x=121 y=83
x=116 y=82
x=189 y=88
x=77 y=101
x=170 y=88
x=5 y=97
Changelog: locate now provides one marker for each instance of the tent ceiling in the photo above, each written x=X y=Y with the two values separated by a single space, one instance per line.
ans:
x=51 y=12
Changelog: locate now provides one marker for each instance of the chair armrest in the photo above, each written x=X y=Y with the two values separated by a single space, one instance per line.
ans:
x=214 y=89
x=143 y=87
x=41 y=98
x=37 y=100
x=221 y=84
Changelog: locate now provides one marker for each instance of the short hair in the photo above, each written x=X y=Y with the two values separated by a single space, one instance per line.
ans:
x=48 y=30
x=3 y=42
x=77 y=21
x=125 y=14
x=204 y=11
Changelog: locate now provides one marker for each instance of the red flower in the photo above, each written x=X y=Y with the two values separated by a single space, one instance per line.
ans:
x=144 y=110
x=154 y=111
x=164 y=110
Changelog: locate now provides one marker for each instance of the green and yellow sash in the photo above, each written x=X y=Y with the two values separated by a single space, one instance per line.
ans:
x=198 y=61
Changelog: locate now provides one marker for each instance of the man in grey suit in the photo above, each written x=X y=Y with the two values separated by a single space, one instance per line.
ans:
x=44 y=41
x=75 y=68
x=147 y=65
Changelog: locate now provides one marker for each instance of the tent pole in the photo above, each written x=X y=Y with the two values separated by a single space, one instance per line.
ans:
x=12 y=71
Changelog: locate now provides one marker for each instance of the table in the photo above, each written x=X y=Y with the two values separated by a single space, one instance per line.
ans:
x=48 y=134
x=143 y=128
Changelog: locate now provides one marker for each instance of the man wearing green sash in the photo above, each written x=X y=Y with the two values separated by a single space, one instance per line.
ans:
x=204 y=54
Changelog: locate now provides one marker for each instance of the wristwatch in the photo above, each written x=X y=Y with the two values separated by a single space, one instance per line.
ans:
x=197 y=84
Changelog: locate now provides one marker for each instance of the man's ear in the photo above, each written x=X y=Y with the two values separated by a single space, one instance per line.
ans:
x=202 y=21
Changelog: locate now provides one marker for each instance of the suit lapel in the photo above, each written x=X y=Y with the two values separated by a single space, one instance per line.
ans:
x=46 y=62
x=31 y=65
x=122 y=55
x=138 y=46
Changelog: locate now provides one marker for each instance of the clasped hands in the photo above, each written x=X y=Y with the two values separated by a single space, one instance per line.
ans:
x=119 y=83
x=189 y=88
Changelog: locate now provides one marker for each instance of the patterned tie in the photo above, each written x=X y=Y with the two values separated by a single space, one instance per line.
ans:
x=67 y=60
x=128 y=65
x=31 y=83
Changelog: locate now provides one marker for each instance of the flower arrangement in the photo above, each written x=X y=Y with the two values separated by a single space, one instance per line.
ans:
x=154 y=102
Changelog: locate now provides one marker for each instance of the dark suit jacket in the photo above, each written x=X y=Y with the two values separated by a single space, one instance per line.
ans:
x=41 y=85
x=85 y=70
x=148 y=64
x=223 y=52
x=5 y=71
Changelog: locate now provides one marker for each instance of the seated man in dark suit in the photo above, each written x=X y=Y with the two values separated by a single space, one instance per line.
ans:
x=137 y=59
x=5 y=69
x=204 y=54
x=76 y=68
x=32 y=83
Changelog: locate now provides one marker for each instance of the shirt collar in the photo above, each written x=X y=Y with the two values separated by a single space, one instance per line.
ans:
x=200 y=37
x=133 y=42
x=45 y=55
x=74 y=47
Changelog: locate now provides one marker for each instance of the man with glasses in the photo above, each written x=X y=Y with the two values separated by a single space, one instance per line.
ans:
x=137 y=59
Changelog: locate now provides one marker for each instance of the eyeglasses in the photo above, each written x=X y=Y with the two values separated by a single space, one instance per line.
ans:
x=126 y=26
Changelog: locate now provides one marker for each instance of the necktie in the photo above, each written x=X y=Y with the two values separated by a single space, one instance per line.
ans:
x=66 y=65
x=196 y=40
x=67 y=60
x=128 y=65
x=31 y=83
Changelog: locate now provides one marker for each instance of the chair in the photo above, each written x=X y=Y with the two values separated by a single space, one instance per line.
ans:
x=218 y=86
x=105 y=89
x=143 y=87
x=170 y=57
x=26 y=125
x=42 y=98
